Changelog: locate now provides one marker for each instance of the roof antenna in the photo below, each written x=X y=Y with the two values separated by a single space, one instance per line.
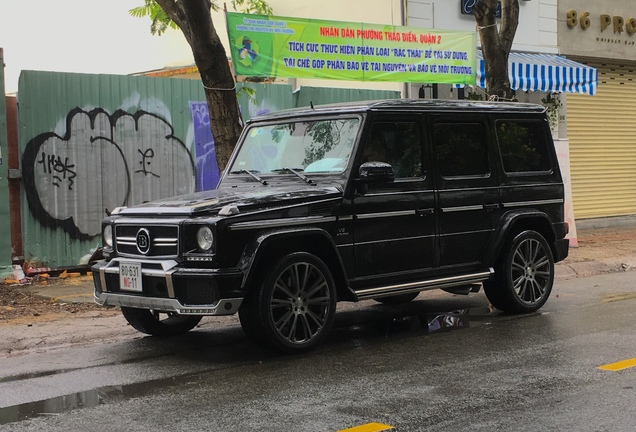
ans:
x=311 y=104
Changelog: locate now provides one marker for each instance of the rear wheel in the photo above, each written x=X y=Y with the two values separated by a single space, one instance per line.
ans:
x=158 y=323
x=398 y=299
x=524 y=276
x=294 y=307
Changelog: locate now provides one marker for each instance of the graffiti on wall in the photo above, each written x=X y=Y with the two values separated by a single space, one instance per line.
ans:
x=205 y=154
x=102 y=161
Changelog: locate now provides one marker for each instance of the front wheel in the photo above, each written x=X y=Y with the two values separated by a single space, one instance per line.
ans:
x=294 y=307
x=158 y=323
x=524 y=276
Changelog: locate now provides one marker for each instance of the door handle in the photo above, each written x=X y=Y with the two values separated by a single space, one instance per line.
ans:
x=491 y=206
x=424 y=212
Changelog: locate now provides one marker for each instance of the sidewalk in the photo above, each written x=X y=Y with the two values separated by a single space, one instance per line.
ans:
x=605 y=246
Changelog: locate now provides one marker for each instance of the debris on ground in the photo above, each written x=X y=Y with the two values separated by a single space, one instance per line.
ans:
x=16 y=302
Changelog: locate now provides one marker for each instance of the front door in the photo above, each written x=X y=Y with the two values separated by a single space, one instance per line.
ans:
x=394 y=226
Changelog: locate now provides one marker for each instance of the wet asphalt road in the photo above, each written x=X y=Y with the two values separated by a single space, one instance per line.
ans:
x=416 y=367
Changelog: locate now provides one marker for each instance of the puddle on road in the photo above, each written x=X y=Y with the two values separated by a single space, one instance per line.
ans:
x=381 y=324
x=32 y=375
x=86 y=399
x=51 y=406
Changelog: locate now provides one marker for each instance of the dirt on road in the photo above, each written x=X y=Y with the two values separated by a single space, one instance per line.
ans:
x=19 y=306
x=30 y=323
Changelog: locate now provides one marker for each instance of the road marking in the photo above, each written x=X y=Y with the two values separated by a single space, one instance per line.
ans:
x=618 y=297
x=369 y=427
x=619 y=365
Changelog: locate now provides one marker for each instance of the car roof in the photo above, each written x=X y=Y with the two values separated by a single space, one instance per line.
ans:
x=419 y=105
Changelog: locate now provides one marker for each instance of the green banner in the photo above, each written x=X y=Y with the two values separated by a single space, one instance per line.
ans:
x=271 y=46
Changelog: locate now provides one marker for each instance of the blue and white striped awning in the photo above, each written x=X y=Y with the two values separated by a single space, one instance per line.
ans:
x=544 y=72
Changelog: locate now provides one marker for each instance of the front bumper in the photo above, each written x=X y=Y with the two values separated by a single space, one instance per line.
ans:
x=167 y=287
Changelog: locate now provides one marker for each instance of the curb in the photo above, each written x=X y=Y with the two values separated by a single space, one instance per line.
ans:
x=565 y=271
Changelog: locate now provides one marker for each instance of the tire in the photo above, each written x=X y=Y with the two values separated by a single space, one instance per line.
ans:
x=397 y=299
x=524 y=275
x=247 y=322
x=150 y=321
x=294 y=307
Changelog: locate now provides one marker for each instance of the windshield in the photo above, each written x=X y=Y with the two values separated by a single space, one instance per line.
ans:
x=316 y=146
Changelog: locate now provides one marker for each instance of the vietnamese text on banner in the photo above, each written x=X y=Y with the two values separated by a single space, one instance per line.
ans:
x=271 y=46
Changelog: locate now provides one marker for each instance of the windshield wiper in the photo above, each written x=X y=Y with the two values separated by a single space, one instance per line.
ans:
x=297 y=173
x=257 y=178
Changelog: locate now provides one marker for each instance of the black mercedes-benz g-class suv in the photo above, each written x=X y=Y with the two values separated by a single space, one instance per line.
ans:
x=371 y=200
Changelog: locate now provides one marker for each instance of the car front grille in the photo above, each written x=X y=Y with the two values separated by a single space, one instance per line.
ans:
x=190 y=291
x=164 y=240
x=196 y=291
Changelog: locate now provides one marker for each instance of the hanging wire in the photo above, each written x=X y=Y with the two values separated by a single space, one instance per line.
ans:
x=219 y=89
x=495 y=98
x=480 y=28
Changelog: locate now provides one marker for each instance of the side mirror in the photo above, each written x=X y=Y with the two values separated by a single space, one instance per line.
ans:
x=376 y=172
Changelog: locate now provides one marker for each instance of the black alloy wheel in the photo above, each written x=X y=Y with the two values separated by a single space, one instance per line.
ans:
x=524 y=277
x=293 y=309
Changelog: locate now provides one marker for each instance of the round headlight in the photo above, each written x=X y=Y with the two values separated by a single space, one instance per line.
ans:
x=108 y=235
x=205 y=238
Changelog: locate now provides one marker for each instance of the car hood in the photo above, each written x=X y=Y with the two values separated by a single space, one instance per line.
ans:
x=210 y=202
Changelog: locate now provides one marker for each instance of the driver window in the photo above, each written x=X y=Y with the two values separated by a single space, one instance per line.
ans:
x=398 y=144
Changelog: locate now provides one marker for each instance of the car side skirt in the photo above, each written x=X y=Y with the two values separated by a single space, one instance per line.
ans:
x=445 y=282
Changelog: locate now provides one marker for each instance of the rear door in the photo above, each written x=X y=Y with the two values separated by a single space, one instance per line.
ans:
x=394 y=227
x=529 y=178
x=467 y=185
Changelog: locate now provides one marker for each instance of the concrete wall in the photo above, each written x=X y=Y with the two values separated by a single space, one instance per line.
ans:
x=537 y=30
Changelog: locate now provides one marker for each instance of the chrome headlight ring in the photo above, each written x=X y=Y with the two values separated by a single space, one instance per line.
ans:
x=205 y=239
x=107 y=235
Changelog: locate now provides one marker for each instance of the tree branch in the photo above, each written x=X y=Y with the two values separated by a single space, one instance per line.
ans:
x=205 y=40
x=175 y=11
x=495 y=49
x=509 y=23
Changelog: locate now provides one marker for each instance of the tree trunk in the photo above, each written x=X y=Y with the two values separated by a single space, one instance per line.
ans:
x=195 y=21
x=496 y=44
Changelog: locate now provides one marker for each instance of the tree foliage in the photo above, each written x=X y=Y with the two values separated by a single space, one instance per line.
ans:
x=496 y=43
x=161 y=21
x=194 y=19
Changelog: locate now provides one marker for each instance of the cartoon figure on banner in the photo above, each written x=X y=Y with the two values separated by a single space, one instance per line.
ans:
x=248 y=51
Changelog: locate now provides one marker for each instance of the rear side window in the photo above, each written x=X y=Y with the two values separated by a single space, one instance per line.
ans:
x=523 y=146
x=460 y=149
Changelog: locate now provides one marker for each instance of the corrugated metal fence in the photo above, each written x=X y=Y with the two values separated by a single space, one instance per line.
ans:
x=90 y=143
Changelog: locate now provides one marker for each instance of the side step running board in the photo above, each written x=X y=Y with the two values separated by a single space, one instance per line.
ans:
x=448 y=282
x=463 y=289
